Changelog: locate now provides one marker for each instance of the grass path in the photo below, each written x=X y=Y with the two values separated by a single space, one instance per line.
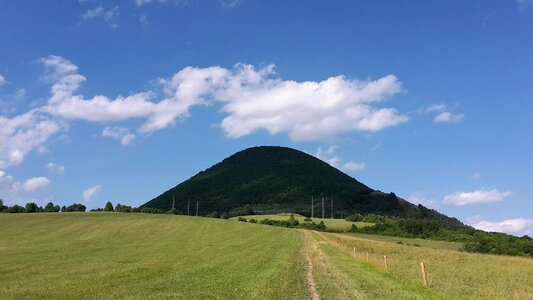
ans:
x=339 y=276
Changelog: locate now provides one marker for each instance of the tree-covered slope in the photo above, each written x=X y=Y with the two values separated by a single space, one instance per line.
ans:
x=280 y=179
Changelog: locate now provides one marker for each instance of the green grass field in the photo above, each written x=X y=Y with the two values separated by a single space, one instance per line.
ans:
x=140 y=256
x=442 y=245
x=331 y=224
x=115 y=255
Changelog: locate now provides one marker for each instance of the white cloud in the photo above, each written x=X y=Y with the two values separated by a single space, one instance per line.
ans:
x=55 y=168
x=448 y=117
x=24 y=133
x=523 y=5
x=353 y=166
x=252 y=99
x=435 y=108
x=35 y=183
x=176 y=2
x=230 y=3
x=99 y=12
x=417 y=198
x=334 y=160
x=2 y=80
x=476 y=197
x=475 y=176
x=518 y=227
x=89 y=193
x=119 y=133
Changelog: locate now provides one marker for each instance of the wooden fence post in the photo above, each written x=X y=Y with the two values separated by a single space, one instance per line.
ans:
x=354 y=251
x=386 y=266
x=366 y=256
x=424 y=275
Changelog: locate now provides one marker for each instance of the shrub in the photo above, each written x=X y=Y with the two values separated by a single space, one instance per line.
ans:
x=51 y=208
x=354 y=218
x=32 y=207
x=241 y=219
x=213 y=215
x=307 y=219
x=353 y=228
x=16 y=209
x=109 y=207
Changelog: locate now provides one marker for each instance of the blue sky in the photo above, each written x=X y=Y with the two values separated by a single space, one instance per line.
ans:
x=121 y=100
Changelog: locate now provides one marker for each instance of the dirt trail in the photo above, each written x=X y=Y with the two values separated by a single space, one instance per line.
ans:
x=310 y=278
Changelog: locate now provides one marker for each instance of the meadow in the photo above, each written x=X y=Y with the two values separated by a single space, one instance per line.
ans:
x=116 y=255
x=331 y=224
x=144 y=256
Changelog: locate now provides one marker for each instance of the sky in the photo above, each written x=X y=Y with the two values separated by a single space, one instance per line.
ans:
x=121 y=100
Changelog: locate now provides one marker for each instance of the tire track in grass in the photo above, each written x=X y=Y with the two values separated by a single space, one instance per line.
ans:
x=310 y=277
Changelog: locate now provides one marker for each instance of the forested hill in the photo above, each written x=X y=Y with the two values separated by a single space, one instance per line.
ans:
x=279 y=179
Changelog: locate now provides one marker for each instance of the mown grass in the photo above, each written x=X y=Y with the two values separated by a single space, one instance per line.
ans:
x=140 y=256
x=450 y=273
x=331 y=224
x=442 y=245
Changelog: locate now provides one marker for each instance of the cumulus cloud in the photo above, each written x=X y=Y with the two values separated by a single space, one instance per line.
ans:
x=252 y=100
x=518 y=227
x=119 y=133
x=476 y=197
x=10 y=187
x=334 y=160
x=448 y=117
x=24 y=133
x=35 y=183
x=89 y=193
x=2 y=80
x=55 y=168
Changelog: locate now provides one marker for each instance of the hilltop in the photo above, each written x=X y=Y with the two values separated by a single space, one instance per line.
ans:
x=274 y=179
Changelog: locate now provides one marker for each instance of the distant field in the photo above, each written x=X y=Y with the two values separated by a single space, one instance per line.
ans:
x=331 y=224
x=407 y=241
x=451 y=274
x=115 y=255
x=143 y=256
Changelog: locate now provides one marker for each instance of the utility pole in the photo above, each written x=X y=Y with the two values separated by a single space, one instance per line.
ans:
x=188 y=207
x=322 y=207
x=197 y=208
x=332 y=208
x=173 y=202
x=312 y=207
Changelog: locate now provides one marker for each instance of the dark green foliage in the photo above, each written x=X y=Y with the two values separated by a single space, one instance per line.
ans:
x=2 y=207
x=63 y=208
x=241 y=219
x=213 y=215
x=16 y=209
x=51 y=208
x=293 y=223
x=32 y=207
x=124 y=208
x=108 y=207
x=253 y=220
x=277 y=179
x=354 y=228
x=224 y=215
x=76 y=207
x=149 y=210
x=172 y=211
x=307 y=219
x=474 y=240
x=354 y=218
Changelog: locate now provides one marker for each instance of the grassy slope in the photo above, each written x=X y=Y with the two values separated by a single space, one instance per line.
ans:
x=451 y=273
x=101 y=255
x=442 y=245
x=331 y=224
